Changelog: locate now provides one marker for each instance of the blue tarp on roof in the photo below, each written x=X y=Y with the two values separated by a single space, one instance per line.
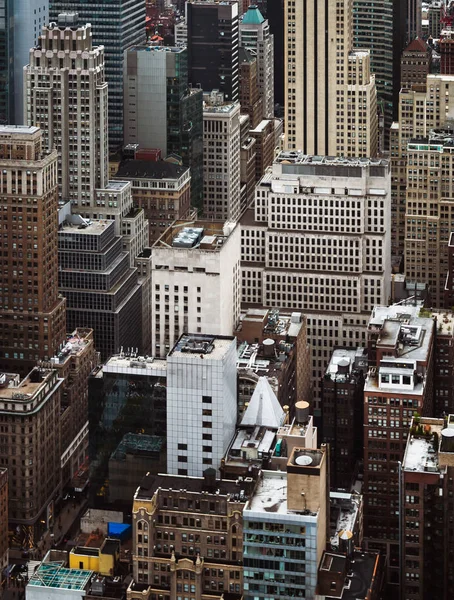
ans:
x=119 y=531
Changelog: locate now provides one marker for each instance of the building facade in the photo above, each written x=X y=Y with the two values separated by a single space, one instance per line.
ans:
x=196 y=282
x=399 y=383
x=256 y=37
x=188 y=541
x=162 y=189
x=221 y=165
x=31 y=407
x=415 y=64
x=342 y=413
x=33 y=314
x=117 y=25
x=318 y=241
x=287 y=515
x=4 y=541
x=426 y=500
x=201 y=403
x=63 y=65
x=156 y=79
x=429 y=211
x=322 y=111
x=101 y=288
x=213 y=42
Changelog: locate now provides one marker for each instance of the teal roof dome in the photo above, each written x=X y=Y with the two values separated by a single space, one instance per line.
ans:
x=253 y=16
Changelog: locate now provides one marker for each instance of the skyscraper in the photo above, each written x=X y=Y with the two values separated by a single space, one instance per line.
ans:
x=66 y=94
x=221 y=147
x=156 y=82
x=330 y=95
x=255 y=36
x=20 y=27
x=318 y=241
x=116 y=25
x=32 y=323
x=213 y=42
x=379 y=27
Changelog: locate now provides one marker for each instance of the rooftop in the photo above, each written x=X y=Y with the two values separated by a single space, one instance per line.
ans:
x=88 y=227
x=138 y=445
x=253 y=16
x=55 y=575
x=132 y=363
x=421 y=451
x=357 y=575
x=344 y=513
x=76 y=343
x=271 y=493
x=197 y=485
x=146 y=169
x=18 y=129
x=28 y=387
x=343 y=361
x=172 y=49
x=196 y=346
x=298 y=157
x=201 y=235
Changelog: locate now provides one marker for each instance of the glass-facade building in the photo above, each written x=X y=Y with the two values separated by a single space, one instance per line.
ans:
x=6 y=61
x=127 y=399
x=117 y=25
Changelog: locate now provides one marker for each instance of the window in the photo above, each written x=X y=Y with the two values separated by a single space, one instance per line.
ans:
x=207 y=399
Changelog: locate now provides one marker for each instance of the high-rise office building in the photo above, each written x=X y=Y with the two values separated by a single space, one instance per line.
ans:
x=66 y=94
x=221 y=165
x=317 y=241
x=32 y=324
x=379 y=26
x=255 y=36
x=426 y=509
x=429 y=218
x=213 y=42
x=421 y=109
x=330 y=95
x=275 y=14
x=414 y=19
x=156 y=82
x=116 y=25
x=20 y=27
x=101 y=288
x=196 y=282
x=201 y=402
x=399 y=383
x=250 y=100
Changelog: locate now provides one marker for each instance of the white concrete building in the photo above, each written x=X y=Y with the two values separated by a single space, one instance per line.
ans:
x=196 y=283
x=256 y=37
x=65 y=94
x=181 y=33
x=221 y=159
x=201 y=403
x=318 y=241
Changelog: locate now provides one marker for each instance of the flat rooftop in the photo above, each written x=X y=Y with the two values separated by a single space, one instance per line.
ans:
x=89 y=228
x=136 y=365
x=114 y=185
x=271 y=494
x=154 y=49
x=27 y=388
x=444 y=321
x=55 y=575
x=343 y=361
x=147 y=169
x=196 y=345
x=420 y=453
x=298 y=157
x=18 y=129
x=75 y=345
x=201 y=235
x=151 y=483
x=138 y=445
